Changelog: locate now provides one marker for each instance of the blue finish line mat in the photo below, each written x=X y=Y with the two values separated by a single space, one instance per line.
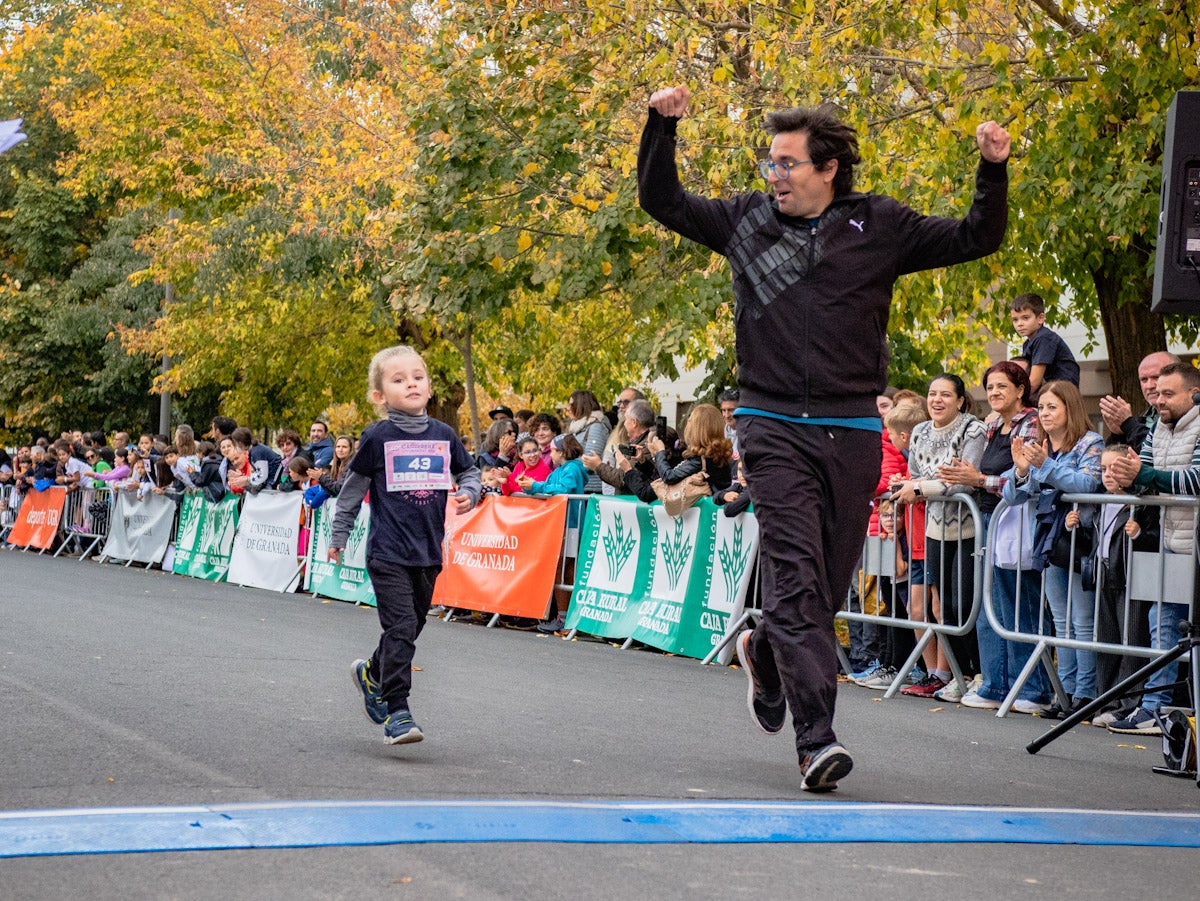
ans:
x=300 y=824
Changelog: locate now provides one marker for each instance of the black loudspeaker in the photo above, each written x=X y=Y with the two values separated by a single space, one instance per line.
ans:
x=1177 y=256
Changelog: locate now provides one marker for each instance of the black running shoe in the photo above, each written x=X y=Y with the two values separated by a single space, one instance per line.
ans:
x=769 y=711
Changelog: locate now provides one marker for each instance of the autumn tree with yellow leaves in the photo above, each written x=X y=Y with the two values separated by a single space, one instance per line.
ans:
x=460 y=175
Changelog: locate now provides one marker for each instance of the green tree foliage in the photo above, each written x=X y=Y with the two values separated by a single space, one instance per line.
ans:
x=460 y=175
x=64 y=261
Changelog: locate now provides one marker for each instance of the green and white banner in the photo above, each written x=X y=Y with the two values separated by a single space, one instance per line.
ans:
x=614 y=557
x=671 y=583
x=204 y=541
x=348 y=581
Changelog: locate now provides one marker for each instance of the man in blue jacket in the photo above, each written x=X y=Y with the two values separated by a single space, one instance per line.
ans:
x=813 y=265
x=320 y=448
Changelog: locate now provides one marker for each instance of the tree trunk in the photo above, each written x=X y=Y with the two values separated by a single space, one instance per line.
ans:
x=1131 y=331
x=469 y=375
x=445 y=406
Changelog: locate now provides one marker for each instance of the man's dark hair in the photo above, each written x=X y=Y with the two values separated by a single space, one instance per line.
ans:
x=224 y=425
x=828 y=139
x=1191 y=375
x=729 y=394
x=1028 y=301
x=242 y=436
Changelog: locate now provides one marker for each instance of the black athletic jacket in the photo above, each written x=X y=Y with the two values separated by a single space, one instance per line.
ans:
x=812 y=303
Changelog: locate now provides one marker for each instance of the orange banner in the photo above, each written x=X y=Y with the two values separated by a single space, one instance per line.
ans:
x=37 y=520
x=502 y=557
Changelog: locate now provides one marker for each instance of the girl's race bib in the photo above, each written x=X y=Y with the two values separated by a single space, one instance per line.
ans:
x=417 y=465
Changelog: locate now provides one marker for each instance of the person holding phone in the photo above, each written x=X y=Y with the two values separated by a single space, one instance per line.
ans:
x=706 y=449
x=633 y=470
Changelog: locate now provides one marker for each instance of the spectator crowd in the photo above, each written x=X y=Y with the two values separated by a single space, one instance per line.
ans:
x=1055 y=562
x=1060 y=568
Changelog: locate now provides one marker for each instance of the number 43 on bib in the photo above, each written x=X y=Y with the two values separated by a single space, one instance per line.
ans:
x=417 y=465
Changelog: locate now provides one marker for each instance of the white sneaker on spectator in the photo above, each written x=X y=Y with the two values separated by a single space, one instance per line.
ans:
x=865 y=673
x=882 y=680
x=973 y=699
x=1106 y=719
x=1020 y=705
x=950 y=692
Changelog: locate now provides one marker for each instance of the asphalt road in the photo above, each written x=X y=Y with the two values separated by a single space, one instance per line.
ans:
x=124 y=688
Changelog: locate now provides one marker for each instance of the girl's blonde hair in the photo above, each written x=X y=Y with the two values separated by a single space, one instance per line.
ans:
x=904 y=417
x=704 y=435
x=375 y=371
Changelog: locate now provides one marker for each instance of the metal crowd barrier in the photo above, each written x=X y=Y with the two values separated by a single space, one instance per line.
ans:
x=1152 y=578
x=879 y=557
x=10 y=503
x=751 y=611
x=84 y=523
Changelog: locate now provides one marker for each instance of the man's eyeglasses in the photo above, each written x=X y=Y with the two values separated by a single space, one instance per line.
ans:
x=780 y=170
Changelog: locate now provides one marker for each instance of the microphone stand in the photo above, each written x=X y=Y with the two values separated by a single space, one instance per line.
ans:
x=1188 y=642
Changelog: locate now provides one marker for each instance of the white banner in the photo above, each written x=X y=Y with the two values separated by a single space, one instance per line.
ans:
x=139 y=530
x=267 y=542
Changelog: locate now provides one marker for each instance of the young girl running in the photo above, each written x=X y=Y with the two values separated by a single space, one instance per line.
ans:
x=409 y=463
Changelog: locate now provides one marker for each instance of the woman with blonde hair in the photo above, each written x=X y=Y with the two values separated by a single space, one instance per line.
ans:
x=706 y=449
